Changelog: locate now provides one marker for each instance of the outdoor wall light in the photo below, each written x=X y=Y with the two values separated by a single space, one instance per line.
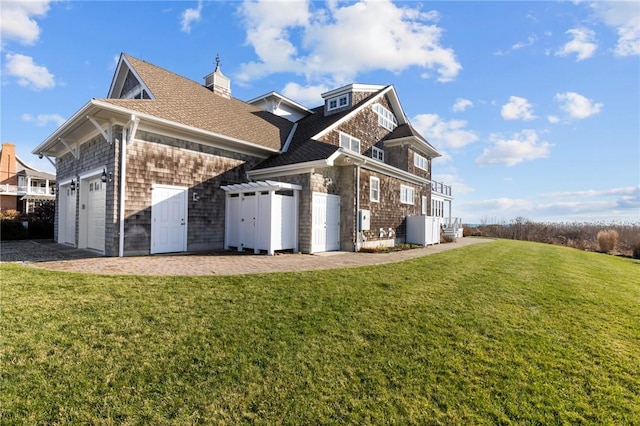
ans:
x=195 y=196
x=106 y=177
x=72 y=186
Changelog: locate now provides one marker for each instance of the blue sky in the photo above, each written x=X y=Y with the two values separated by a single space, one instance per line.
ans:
x=535 y=106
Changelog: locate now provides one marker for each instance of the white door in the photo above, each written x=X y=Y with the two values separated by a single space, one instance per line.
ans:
x=325 y=223
x=95 y=214
x=248 y=221
x=67 y=216
x=168 y=219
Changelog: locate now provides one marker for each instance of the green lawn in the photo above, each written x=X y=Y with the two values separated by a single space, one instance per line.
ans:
x=507 y=332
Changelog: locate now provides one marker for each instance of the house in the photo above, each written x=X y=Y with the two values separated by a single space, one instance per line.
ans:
x=22 y=187
x=166 y=164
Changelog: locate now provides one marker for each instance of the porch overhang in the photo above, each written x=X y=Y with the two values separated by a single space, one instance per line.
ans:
x=261 y=186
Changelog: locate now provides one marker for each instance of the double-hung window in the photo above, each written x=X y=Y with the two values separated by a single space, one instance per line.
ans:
x=374 y=193
x=349 y=142
x=419 y=161
x=406 y=194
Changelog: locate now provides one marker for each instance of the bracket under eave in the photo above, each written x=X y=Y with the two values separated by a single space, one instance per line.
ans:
x=105 y=135
x=73 y=151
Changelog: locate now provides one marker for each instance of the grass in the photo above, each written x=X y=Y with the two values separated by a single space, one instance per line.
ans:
x=508 y=332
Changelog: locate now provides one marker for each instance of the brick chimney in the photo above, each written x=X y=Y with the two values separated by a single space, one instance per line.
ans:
x=8 y=164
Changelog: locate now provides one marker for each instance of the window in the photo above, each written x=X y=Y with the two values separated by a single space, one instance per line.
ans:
x=406 y=194
x=377 y=153
x=374 y=193
x=338 y=102
x=385 y=117
x=419 y=161
x=424 y=205
x=349 y=142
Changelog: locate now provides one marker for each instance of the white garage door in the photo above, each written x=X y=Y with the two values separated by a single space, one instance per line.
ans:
x=326 y=223
x=168 y=219
x=96 y=214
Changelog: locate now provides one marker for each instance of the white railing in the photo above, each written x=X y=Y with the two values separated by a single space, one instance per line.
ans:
x=441 y=188
x=23 y=189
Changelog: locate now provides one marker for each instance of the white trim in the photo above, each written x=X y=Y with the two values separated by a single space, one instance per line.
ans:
x=282 y=98
x=120 y=81
x=375 y=150
x=371 y=197
x=289 y=138
x=418 y=160
x=350 y=115
x=405 y=191
x=352 y=139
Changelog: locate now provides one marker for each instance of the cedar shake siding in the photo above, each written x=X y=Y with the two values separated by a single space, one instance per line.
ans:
x=158 y=159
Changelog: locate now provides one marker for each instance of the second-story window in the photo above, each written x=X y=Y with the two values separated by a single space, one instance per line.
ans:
x=377 y=153
x=419 y=161
x=349 y=142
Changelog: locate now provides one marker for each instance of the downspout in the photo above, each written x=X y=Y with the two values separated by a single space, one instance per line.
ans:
x=357 y=246
x=127 y=136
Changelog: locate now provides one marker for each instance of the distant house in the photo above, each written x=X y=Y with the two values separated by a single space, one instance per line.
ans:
x=165 y=164
x=22 y=187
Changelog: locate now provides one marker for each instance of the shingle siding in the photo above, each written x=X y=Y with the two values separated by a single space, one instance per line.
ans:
x=156 y=159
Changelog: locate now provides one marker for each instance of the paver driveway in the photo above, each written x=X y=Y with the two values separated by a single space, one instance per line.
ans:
x=52 y=256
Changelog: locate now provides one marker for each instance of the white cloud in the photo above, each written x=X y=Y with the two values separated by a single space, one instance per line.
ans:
x=625 y=18
x=442 y=133
x=306 y=95
x=42 y=120
x=17 y=20
x=517 y=109
x=553 y=119
x=189 y=16
x=576 y=105
x=616 y=204
x=343 y=39
x=462 y=104
x=582 y=44
x=522 y=146
x=520 y=45
x=28 y=73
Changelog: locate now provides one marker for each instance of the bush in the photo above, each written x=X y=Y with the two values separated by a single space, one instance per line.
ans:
x=9 y=214
x=636 y=251
x=607 y=240
x=12 y=229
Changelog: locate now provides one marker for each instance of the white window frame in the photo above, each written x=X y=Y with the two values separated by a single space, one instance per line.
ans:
x=374 y=191
x=385 y=117
x=437 y=207
x=420 y=162
x=424 y=205
x=348 y=142
x=407 y=194
x=377 y=154
x=340 y=102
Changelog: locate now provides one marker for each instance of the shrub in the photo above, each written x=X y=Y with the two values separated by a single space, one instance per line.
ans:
x=9 y=214
x=607 y=240
x=636 y=251
x=12 y=229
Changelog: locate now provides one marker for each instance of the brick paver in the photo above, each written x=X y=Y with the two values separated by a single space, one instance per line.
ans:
x=56 y=257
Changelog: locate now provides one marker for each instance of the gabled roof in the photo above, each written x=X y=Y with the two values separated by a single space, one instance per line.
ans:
x=186 y=102
x=180 y=103
x=305 y=146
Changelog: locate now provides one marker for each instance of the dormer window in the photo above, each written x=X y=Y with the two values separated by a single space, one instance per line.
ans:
x=338 y=102
x=385 y=117
x=377 y=154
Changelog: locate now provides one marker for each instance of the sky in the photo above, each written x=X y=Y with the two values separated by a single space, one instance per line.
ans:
x=535 y=106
